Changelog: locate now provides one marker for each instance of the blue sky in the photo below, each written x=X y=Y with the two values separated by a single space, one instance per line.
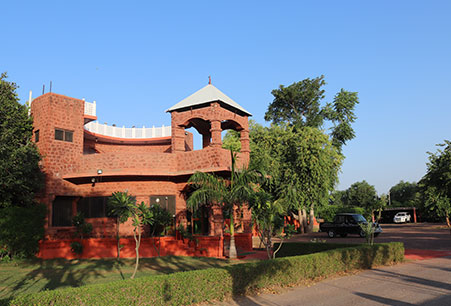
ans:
x=138 y=58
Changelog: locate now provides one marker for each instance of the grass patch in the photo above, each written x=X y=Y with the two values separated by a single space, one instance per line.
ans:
x=31 y=276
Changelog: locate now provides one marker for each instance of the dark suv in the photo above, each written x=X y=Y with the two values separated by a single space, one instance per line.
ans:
x=345 y=224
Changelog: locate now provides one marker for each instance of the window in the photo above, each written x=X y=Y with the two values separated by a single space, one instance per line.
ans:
x=62 y=211
x=64 y=135
x=92 y=207
x=165 y=201
x=36 y=136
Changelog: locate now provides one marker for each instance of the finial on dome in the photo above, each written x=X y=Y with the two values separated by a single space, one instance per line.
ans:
x=209 y=80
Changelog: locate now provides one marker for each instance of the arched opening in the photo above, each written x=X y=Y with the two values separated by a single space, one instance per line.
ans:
x=231 y=138
x=200 y=129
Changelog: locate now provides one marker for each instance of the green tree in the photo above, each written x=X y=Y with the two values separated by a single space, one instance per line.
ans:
x=21 y=228
x=141 y=215
x=161 y=219
x=120 y=206
x=21 y=176
x=236 y=191
x=300 y=105
x=303 y=165
x=404 y=194
x=362 y=194
x=268 y=217
x=436 y=183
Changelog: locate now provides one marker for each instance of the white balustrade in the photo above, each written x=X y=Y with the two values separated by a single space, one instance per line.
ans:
x=90 y=108
x=123 y=132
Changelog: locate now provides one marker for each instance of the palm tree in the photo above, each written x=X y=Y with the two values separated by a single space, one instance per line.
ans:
x=121 y=206
x=228 y=193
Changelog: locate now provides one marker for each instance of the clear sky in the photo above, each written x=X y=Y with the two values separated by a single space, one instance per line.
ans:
x=138 y=58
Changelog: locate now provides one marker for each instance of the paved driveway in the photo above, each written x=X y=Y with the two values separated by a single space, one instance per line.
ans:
x=423 y=282
x=425 y=236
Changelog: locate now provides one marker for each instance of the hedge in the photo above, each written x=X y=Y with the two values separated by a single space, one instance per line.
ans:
x=304 y=248
x=184 y=288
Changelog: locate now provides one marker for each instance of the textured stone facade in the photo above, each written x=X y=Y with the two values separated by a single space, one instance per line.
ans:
x=93 y=165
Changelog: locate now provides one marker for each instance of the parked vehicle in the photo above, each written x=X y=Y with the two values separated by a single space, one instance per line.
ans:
x=345 y=224
x=401 y=217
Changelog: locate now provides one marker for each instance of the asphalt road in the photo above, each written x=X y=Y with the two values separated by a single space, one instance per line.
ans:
x=425 y=282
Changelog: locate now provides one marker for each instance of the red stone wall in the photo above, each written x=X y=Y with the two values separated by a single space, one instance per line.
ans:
x=104 y=147
x=162 y=169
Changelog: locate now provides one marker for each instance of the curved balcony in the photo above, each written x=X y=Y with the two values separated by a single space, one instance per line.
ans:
x=129 y=133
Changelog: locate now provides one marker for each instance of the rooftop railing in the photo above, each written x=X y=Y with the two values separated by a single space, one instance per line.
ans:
x=123 y=132
x=90 y=108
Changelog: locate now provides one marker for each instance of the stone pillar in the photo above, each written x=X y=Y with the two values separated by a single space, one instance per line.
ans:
x=216 y=221
x=177 y=138
x=216 y=130
x=245 y=148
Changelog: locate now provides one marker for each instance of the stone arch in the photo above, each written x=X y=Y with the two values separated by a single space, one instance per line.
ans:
x=202 y=126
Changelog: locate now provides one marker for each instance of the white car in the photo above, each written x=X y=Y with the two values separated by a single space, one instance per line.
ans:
x=401 y=217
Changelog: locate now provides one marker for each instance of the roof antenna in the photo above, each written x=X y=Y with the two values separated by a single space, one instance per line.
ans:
x=43 y=88
x=50 y=86
x=209 y=80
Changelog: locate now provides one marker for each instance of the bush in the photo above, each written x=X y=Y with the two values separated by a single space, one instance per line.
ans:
x=184 y=288
x=304 y=248
x=21 y=228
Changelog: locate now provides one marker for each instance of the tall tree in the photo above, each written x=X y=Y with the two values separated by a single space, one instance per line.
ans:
x=120 y=206
x=362 y=194
x=302 y=163
x=236 y=191
x=300 y=105
x=436 y=183
x=20 y=175
x=404 y=194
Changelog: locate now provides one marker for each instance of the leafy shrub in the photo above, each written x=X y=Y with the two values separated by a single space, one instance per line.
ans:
x=304 y=248
x=21 y=228
x=184 y=288
x=76 y=247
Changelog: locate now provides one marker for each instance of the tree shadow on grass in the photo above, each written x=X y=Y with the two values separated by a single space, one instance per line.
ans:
x=59 y=273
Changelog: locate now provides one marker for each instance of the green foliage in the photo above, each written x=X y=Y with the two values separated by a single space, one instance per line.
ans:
x=83 y=229
x=368 y=230
x=404 y=194
x=231 y=141
x=120 y=206
x=298 y=104
x=210 y=188
x=341 y=113
x=21 y=176
x=161 y=219
x=76 y=247
x=305 y=248
x=194 y=287
x=436 y=183
x=268 y=217
x=21 y=229
x=362 y=194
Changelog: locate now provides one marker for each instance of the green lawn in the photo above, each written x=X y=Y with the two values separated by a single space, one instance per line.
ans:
x=29 y=276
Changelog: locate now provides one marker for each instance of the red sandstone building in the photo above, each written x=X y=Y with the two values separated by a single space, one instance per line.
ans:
x=85 y=162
